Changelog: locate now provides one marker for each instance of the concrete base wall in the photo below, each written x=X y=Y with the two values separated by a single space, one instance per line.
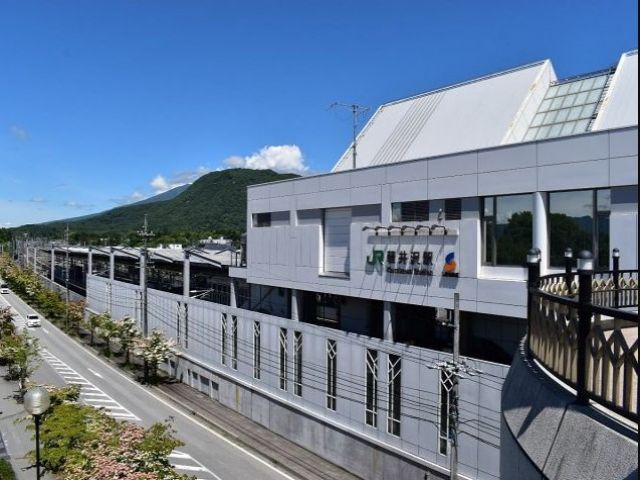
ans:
x=546 y=434
x=361 y=458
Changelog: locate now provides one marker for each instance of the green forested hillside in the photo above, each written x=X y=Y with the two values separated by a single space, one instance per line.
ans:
x=215 y=203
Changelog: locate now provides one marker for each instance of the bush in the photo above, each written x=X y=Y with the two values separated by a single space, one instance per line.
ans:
x=6 y=472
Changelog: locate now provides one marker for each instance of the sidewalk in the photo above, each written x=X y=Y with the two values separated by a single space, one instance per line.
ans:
x=288 y=456
x=15 y=436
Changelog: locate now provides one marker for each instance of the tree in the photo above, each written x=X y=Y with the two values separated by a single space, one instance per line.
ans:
x=94 y=322
x=75 y=312
x=153 y=349
x=128 y=332
x=21 y=353
x=106 y=330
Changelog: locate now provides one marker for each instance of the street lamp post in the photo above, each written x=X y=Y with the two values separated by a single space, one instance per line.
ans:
x=36 y=402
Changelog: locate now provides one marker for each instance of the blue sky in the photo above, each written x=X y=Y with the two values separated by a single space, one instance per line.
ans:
x=103 y=102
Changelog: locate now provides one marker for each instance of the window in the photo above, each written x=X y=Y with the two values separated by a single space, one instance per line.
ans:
x=262 y=219
x=332 y=354
x=256 y=350
x=297 y=363
x=394 y=386
x=223 y=339
x=443 y=412
x=568 y=107
x=453 y=209
x=579 y=219
x=234 y=342
x=417 y=211
x=371 y=403
x=327 y=308
x=336 y=244
x=507 y=229
x=284 y=374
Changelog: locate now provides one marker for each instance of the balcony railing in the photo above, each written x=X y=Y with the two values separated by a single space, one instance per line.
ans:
x=583 y=328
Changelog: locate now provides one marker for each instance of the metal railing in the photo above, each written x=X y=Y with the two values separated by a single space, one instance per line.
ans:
x=583 y=328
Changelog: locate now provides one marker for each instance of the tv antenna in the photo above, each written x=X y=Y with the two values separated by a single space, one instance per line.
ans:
x=356 y=111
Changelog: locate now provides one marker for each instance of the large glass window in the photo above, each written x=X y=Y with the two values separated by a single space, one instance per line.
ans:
x=569 y=107
x=507 y=229
x=417 y=211
x=579 y=219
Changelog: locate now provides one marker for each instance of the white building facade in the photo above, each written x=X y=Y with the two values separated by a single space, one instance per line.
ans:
x=350 y=275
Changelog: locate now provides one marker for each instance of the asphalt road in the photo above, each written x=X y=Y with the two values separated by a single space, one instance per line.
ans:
x=206 y=454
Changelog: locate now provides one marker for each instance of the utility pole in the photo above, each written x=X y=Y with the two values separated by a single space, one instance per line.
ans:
x=356 y=111
x=144 y=260
x=66 y=275
x=452 y=372
x=145 y=234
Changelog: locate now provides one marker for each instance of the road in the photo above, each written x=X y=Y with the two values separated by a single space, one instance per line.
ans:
x=206 y=454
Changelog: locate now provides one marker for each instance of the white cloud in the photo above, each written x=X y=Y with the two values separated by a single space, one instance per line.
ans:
x=37 y=200
x=161 y=184
x=19 y=133
x=281 y=158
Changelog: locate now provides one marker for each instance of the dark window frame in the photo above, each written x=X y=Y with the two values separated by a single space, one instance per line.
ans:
x=411 y=211
x=261 y=220
x=595 y=229
x=484 y=235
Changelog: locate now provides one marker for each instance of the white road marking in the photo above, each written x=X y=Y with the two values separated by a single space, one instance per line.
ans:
x=190 y=468
x=186 y=416
x=70 y=376
x=45 y=330
x=177 y=454
x=95 y=373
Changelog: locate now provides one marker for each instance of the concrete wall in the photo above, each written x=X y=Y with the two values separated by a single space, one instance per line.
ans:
x=541 y=423
x=289 y=256
x=295 y=416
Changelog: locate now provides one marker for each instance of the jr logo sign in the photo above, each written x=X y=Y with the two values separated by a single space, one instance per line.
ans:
x=376 y=257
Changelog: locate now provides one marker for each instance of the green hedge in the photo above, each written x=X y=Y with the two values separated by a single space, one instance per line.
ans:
x=6 y=472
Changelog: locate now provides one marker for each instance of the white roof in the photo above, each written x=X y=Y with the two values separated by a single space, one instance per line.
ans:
x=481 y=113
x=620 y=105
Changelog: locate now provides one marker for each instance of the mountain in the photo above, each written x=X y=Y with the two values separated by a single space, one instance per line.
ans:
x=216 y=202
x=164 y=196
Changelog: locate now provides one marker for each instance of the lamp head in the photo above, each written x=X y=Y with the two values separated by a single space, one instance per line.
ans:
x=533 y=256
x=37 y=401
x=585 y=261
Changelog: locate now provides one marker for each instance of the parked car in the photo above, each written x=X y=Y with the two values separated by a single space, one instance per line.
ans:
x=33 y=320
x=4 y=288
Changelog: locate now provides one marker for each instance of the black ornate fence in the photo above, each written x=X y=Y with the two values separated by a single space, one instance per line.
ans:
x=583 y=328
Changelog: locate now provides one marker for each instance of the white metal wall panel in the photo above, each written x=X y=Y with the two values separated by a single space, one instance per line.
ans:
x=620 y=106
x=337 y=227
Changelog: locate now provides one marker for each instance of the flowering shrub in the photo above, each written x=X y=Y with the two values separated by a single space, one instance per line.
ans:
x=128 y=332
x=153 y=349
x=83 y=443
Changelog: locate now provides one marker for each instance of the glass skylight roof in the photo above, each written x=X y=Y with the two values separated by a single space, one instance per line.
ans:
x=568 y=107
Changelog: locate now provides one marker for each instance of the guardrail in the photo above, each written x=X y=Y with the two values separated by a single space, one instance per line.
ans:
x=583 y=328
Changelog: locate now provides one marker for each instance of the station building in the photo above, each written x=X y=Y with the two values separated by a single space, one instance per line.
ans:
x=336 y=319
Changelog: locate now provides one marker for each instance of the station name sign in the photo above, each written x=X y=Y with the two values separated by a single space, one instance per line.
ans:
x=412 y=262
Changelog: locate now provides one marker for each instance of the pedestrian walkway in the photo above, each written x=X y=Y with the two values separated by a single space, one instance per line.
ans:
x=16 y=439
x=288 y=456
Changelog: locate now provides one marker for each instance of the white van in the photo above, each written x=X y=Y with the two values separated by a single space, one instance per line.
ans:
x=4 y=288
